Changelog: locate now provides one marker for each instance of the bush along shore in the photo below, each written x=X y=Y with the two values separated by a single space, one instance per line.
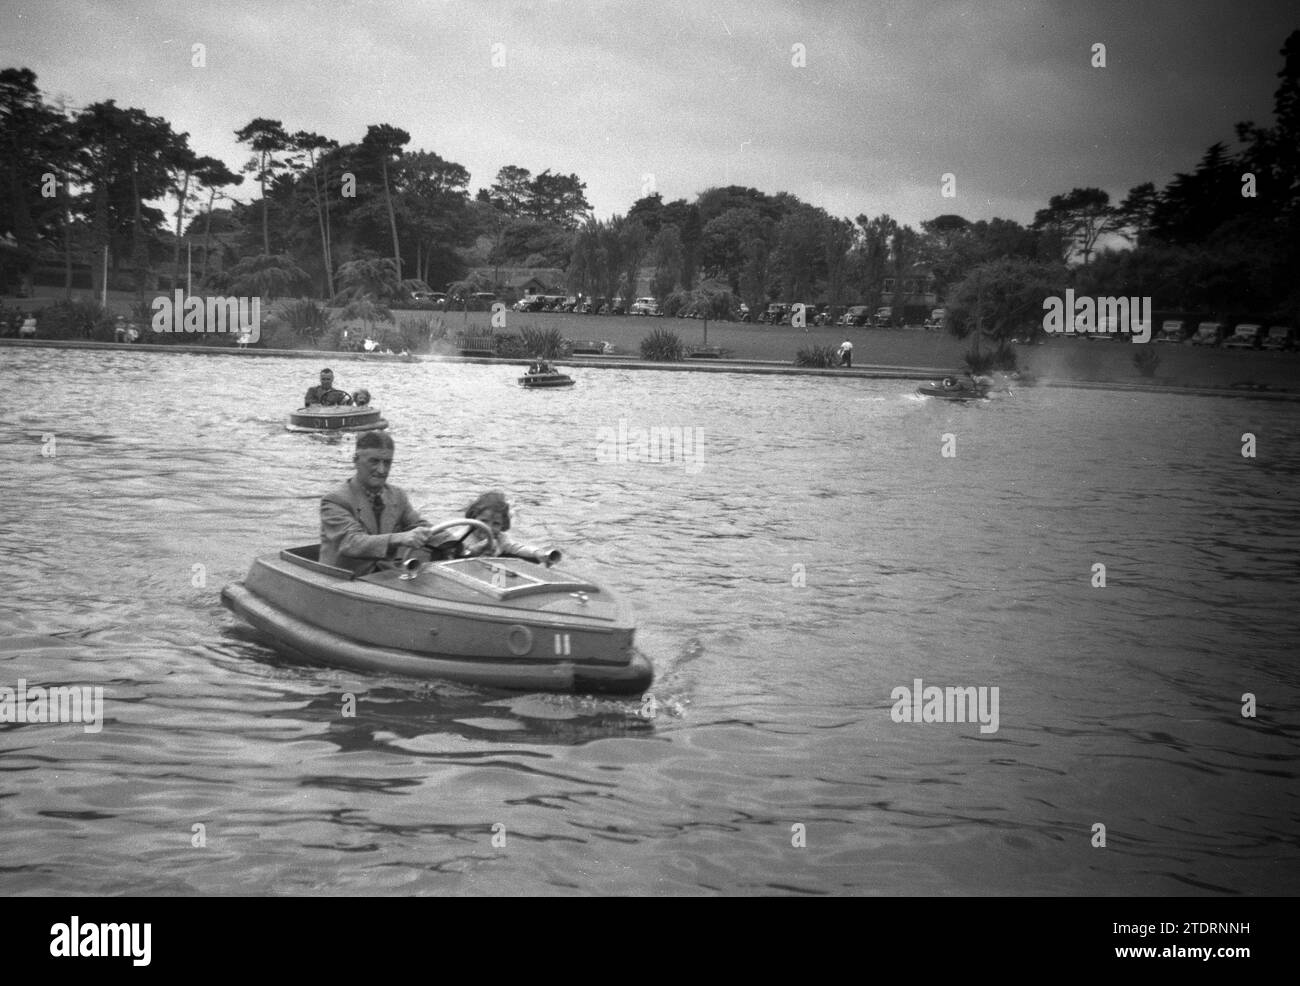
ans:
x=309 y=328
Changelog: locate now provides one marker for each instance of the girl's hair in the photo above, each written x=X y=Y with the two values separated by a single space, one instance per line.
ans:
x=491 y=500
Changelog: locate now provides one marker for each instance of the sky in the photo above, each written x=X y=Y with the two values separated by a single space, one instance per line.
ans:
x=856 y=107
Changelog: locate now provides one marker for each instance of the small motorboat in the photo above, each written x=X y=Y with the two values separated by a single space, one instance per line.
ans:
x=355 y=414
x=956 y=389
x=500 y=622
x=542 y=374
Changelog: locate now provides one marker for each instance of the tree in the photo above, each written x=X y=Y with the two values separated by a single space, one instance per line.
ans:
x=264 y=276
x=1080 y=218
x=649 y=212
x=126 y=156
x=35 y=140
x=666 y=255
x=512 y=191
x=369 y=278
x=185 y=163
x=213 y=175
x=800 y=252
x=267 y=138
x=1137 y=212
x=633 y=248
x=384 y=145
x=558 y=199
x=872 y=255
x=312 y=145
x=728 y=240
x=435 y=203
x=1272 y=154
x=1002 y=300
x=686 y=217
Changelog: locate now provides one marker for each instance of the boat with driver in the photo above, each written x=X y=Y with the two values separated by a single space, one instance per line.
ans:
x=481 y=620
x=540 y=373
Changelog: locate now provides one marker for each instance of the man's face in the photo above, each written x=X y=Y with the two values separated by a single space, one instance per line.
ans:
x=372 y=468
x=327 y=381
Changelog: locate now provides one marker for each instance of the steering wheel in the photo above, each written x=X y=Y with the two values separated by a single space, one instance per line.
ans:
x=345 y=400
x=489 y=547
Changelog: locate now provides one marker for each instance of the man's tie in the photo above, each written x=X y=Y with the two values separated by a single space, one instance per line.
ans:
x=377 y=502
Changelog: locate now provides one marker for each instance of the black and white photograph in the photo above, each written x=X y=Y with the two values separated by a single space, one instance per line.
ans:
x=558 y=448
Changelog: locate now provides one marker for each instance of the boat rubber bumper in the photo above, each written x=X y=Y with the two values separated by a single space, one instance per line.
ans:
x=304 y=641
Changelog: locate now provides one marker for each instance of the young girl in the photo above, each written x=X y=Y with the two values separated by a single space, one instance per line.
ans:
x=493 y=509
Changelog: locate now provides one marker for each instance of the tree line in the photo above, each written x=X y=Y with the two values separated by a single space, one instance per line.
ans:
x=1222 y=236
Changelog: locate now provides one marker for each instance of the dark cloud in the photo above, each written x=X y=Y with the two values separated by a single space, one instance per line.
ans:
x=890 y=97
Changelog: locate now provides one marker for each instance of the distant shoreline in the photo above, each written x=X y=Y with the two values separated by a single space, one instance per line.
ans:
x=754 y=367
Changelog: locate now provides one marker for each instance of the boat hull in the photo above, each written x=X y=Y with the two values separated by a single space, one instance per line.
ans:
x=447 y=623
x=546 y=380
x=340 y=419
x=958 y=393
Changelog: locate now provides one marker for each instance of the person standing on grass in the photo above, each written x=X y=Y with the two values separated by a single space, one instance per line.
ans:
x=845 y=353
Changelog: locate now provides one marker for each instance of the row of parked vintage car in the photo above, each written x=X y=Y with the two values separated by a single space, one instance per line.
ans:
x=1244 y=335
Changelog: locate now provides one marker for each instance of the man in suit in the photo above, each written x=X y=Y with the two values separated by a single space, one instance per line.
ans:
x=325 y=393
x=366 y=524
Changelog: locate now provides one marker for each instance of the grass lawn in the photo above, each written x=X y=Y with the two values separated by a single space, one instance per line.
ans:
x=1060 y=357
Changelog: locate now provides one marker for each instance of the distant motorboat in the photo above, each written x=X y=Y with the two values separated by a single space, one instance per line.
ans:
x=542 y=374
x=956 y=389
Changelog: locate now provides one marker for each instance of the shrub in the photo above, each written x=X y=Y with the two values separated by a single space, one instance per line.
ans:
x=662 y=345
x=513 y=347
x=819 y=356
x=304 y=317
x=10 y=319
x=277 y=334
x=1146 y=360
x=75 y=320
x=546 y=343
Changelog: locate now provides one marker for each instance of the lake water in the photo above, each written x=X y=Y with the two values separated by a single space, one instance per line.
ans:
x=816 y=552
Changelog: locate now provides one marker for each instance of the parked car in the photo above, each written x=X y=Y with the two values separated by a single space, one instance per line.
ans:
x=1172 y=330
x=741 y=314
x=1247 y=335
x=935 y=321
x=1105 y=328
x=643 y=306
x=884 y=317
x=1279 y=337
x=776 y=311
x=857 y=315
x=1208 y=334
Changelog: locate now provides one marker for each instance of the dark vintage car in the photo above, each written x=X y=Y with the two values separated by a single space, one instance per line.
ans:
x=1208 y=334
x=1247 y=335
x=1280 y=338
x=1172 y=330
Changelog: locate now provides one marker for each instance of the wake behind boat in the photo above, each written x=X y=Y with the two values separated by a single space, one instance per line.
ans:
x=501 y=622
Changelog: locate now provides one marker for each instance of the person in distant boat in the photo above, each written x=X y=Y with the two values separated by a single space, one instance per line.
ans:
x=325 y=393
x=845 y=353
x=493 y=509
x=365 y=524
